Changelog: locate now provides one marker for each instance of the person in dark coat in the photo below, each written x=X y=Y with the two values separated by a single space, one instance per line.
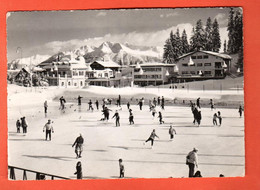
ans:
x=140 y=103
x=215 y=119
x=197 y=174
x=97 y=104
x=172 y=132
x=106 y=113
x=128 y=105
x=211 y=104
x=78 y=170
x=219 y=118
x=90 y=107
x=119 y=100
x=18 y=125
x=159 y=100
x=45 y=105
x=195 y=114
x=62 y=103
x=162 y=104
x=198 y=102
x=131 y=117
x=79 y=145
x=199 y=118
x=160 y=117
x=154 y=102
x=121 y=168
x=116 y=115
x=24 y=124
x=240 y=111
x=79 y=100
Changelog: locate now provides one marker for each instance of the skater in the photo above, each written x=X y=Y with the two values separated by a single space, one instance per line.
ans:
x=79 y=100
x=90 y=105
x=240 y=111
x=97 y=104
x=131 y=117
x=128 y=105
x=199 y=118
x=140 y=103
x=119 y=100
x=198 y=102
x=172 y=132
x=154 y=102
x=151 y=138
x=45 y=105
x=79 y=145
x=160 y=117
x=192 y=161
x=116 y=115
x=121 y=168
x=49 y=129
x=215 y=119
x=78 y=170
x=195 y=113
x=24 y=124
x=211 y=104
x=106 y=113
x=159 y=100
x=153 y=112
x=18 y=125
x=219 y=118
x=162 y=104
x=62 y=103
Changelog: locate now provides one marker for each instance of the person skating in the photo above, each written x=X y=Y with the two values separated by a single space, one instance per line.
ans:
x=24 y=124
x=211 y=104
x=240 y=111
x=131 y=117
x=159 y=101
x=116 y=115
x=199 y=118
x=215 y=119
x=121 y=169
x=62 y=103
x=140 y=103
x=90 y=107
x=18 y=125
x=106 y=113
x=119 y=100
x=45 y=105
x=153 y=112
x=219 y=118
x=192 y=161
x=162 y=104
x=198 y=102
x=151 y=138
x=172 y=132
x=78 y=170
x=195 y=113
x=154 y=102
x=128 y=105
x=79 y=100
x=79 y=145
x=97 y=104
x=160 y=117
x=49 y=129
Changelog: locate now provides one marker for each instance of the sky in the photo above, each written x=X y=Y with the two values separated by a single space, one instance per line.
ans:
x=48 y=32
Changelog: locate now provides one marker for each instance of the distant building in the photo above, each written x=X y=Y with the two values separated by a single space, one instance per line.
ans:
x=152 y=73
x=201 y=65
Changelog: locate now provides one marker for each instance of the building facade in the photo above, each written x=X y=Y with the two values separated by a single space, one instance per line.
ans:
x=202 y=65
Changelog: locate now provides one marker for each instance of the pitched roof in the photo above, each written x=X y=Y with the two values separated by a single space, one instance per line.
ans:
x=222 y=55
x=107 y=64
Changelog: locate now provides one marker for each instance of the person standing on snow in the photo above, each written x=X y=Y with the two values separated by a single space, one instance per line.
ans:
x=49 y=129
x=79 y=145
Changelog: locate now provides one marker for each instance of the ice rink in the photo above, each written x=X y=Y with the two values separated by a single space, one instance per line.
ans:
x=221 y=149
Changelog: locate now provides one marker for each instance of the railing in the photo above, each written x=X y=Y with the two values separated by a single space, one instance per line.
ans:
x=39 y=175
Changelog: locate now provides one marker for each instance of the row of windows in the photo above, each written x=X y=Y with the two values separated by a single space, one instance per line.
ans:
x=70 y=84
x=195 y=72
x=148 y=76
x=217 y=64
x=200 y=57
x=149 y=69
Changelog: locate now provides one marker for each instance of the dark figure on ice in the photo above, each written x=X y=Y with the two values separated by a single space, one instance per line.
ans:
x=159 y=100
x=128 y=105
x=153 y=112
x=131 y=117
x=198 y=102
x=151 y=138
x=172 y=132
x=197 y=174
x=45 y=105
x=192 y=161
x=198 y=118
x=240 y=111
x=79 y=145
x=140 y=103
x=215 y=119
x=78 y=170
x=121 y=169
x=211 y=104
x=162 y=104
x=49 y=129
x=154 y=102
x=90 y=107
x=160 y=117
x=79 y=100
x=97 y=104
x=18 y=125
x=62 y=103
x=106 y=113
x=116 y=115
x=219 y=118
x=195 y=114
x=24 y=124
x=119 y=101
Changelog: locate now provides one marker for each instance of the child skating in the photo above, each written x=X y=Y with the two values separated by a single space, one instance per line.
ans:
x=215 y=119
x=116 y=115
x=151 y=138
x=172 y=132
x=121 y=169
x=160 y=117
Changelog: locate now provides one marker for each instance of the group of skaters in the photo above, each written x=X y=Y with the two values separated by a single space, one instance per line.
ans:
x=21 y=123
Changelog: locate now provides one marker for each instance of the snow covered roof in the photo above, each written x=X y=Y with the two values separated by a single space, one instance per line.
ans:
x=222 y=55
x=107 y=63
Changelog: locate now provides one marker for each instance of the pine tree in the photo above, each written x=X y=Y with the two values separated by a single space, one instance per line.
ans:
x=168 y=52
x=238 y=34
x=184 y=41
x=225 y=46
x=231 y=31
x=216 y=43
x=178 y=49
x=198 y=40
x=208 y=35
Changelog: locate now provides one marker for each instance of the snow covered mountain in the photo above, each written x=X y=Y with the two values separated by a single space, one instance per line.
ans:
x=27 y=62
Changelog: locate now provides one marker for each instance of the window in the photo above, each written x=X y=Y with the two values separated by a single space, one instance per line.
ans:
x=207 y=64
x=205 y=56
x=81 y=83
x=193 y=57
x=81 y=73
x=106 y=74
x=69 y=83
x=207 y=73
x=185 y=72
x=185 y=65
x=199 y=57
x=193 y=72
x=199 y=64
x=62 y=83
x=75 y=84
